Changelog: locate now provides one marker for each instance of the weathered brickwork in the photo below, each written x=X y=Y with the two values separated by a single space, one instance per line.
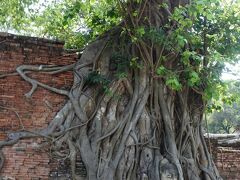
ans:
x=227 y=159
x=228 y=163
x=24 y=161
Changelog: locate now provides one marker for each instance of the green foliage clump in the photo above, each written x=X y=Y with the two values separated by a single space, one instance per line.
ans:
x=120 y=63
x=14 y=15
x=203 y=34
x=205 y=38
x=95 y=78
x=75 y=22
x=174 y=83
x=224 y=114
x=172 y=79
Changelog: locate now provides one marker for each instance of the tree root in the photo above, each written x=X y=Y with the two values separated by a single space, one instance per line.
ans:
x=135 y=128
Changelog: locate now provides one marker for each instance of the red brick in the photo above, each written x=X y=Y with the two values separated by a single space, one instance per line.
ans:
x=22 y=161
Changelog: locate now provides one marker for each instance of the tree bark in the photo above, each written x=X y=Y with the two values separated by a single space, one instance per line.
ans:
x=131 y=127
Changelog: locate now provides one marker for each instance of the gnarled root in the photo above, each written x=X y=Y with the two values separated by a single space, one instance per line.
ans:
x=134 y=127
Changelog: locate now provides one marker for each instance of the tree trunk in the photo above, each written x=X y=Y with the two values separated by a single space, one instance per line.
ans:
x=122 y=119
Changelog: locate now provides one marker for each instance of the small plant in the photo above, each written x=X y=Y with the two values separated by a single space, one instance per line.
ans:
x=120 y=63
x=95 y=78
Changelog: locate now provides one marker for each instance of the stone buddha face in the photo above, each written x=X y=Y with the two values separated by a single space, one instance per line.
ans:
x=168 y=171
x=168 y=176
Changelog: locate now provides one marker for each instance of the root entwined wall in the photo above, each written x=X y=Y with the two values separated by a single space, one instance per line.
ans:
x=26 y=159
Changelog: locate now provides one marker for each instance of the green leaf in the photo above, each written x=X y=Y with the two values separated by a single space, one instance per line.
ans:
x=134 y=14
x=194 y=78
x=185 y=57
x=161 y=71
x=140 y=31
x=174 y=83
x=134 y=63
x=181 y=41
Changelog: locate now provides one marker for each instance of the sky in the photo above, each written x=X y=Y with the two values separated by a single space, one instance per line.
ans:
x=232 y=72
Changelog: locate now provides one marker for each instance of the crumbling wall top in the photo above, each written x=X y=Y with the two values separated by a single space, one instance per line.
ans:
x=29 y=40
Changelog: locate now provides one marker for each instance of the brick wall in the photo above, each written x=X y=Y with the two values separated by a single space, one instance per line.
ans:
x=227 y=160
x=228 y=163
x=24 y=161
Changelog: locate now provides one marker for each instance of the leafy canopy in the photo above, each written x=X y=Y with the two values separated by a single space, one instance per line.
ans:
x=206 y=34
x=226 y=116
x=75 y=22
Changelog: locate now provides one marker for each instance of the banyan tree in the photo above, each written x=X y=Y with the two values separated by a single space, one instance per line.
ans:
x=140 y=90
